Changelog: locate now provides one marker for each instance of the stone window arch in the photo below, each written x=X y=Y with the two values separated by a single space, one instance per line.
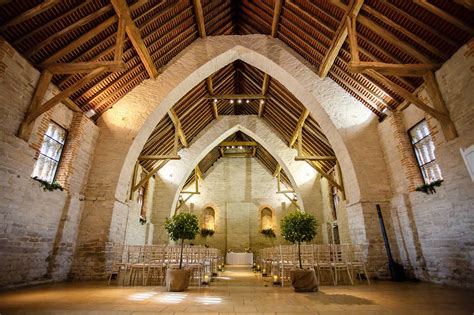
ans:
x=266 y=218
x=209 y=218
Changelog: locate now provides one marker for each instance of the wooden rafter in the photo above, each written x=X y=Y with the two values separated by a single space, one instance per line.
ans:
x=445 y=16
x=299 y=126
x=178 y=127
x=276 y=17
x=81 y=67
x=43 y=6
x=432 y=88
x=144 y=180
x=341 y=34
x=265 y=85
x=123 y=12
x=199 y=18
x=277 y=171
x=316 y=158
x=158 y=157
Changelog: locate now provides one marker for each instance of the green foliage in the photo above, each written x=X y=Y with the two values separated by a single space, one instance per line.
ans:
x=298 y=227
x=47 y=186
x=182 y=226
x=429 y=188
x=206 y=232
x=268 y=233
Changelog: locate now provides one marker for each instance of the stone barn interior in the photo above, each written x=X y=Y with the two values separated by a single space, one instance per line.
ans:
x=119 y=115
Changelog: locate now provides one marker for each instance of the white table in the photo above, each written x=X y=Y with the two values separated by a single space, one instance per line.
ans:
x=239 y=258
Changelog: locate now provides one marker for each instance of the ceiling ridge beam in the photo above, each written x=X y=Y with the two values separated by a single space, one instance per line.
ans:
x=237 y=97
x=339 y=39
x=123 y=12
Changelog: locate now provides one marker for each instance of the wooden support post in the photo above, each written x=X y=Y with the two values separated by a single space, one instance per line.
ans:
x=292 y=201
x=300 y=141
x=134 y=179
x=432 y=88
x=277 y=171
x=351 y=31
x=325 y=175
x=341 y=181
x=178 y=127
x=198 y=172
x=341 y=34
x=40 y=91
x=120 y=40
x=149 y=175
x=276 y=17
x=299 y=125
x=123 y=12
x=199 y=18
x=64 y=94
x=265 y=85
x=408 y=96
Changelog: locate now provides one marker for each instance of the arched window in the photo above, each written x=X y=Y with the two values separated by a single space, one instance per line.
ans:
x=209 y=218
x=266 y=219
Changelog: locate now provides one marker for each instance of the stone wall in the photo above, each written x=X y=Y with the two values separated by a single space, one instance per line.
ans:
x=434 y=233
x=37 y=228
x=232 y=186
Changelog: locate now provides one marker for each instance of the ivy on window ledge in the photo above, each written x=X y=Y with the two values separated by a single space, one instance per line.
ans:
x=429 y=188
x=142 y=220
x=206 y=232
x=47 y=186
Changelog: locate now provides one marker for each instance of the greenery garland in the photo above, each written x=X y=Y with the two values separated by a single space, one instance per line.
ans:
x=206 y=232
x=47 y=186
x=268 y=232
x=429 y=188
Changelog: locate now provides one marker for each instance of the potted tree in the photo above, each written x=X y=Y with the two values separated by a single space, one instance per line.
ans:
x=298 y=227
x=180 y=227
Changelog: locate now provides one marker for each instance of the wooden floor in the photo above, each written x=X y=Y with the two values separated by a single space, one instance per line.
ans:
x=238 y=290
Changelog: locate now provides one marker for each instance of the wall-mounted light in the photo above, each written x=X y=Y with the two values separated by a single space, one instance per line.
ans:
x=90 y=113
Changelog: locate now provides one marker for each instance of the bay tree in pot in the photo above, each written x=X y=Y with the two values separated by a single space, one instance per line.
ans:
x=298 y=227
x=180 y=227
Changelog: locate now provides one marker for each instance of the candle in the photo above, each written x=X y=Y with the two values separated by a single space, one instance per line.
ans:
x=275 y=279
x=206 y=278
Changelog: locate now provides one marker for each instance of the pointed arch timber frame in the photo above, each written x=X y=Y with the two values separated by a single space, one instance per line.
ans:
x=349 y=126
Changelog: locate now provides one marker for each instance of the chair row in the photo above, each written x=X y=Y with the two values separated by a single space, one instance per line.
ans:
x=147 y=264
x=330 y=261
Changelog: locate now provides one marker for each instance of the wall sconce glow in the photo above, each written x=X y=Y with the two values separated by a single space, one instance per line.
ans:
x=90 y=113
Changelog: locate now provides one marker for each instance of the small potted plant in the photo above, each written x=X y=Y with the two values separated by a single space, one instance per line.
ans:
x=298 y=227
x=180 y=227
x=205 y=232
x=268 y=232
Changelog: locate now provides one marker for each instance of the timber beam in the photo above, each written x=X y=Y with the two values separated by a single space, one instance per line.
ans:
x=237 y=97
x=265 y=85
x=199 y=18
x=277 y=171
x=238 y=143
x=178 y=127
x=123 y=12
x=81 y=67
x=341 y=34
x=299 y=125
x=144 y=180
x=158 y=157
x=403 y=70
x=276 y=17
x=315 y=158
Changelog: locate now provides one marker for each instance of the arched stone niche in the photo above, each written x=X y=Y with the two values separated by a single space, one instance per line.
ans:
x=208 y=218
x=266 y=218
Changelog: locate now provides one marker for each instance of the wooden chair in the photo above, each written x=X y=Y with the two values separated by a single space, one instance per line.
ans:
x=357 y=261
x=324 y=261
x=119 y=260
x=340 y=261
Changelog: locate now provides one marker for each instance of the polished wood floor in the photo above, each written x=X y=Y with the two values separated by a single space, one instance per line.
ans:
x=238 y=290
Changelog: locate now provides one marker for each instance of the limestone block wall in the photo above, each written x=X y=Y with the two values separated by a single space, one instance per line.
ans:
x=237 y=189
x=434 y=233
x=38 y=228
